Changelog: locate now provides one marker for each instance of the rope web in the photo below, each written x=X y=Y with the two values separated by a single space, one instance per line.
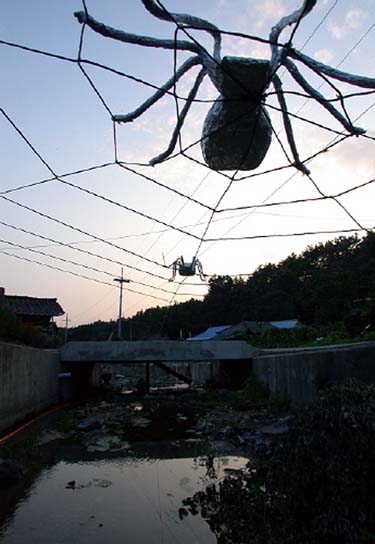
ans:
x=150 y=268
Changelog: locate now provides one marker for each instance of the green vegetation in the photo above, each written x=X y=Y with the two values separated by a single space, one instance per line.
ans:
x=316 y=486
x=66 y=423
x=252 y=392
x=322 y=335
x=330 y=288
x=13 y=330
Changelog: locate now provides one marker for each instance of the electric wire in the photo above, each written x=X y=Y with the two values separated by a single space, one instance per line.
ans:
x=213 y=210
x=33 y=261
x=83 y=189
x=87 y=267
x=81 y=231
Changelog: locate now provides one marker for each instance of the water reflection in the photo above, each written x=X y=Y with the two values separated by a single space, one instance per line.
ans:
x=132 y=499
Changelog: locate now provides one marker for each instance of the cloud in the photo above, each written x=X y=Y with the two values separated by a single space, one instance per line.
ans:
x=243 y=47
x=353 y=19
x=324 y=55
x=270 y=10
x=337 y=31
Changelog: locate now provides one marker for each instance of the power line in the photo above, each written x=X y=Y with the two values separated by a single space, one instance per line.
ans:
x=126 y=167
x=120 y=164
x=213 y=210
x=152 y=245
x=285 y=235
x=79 y=275
x=81 y=231
x=324 y=18
x=86 y=252
x=88 y=191
x=299 y=200
x=94 y=64
x=92 y=254
x=87 y=267
x=203 y=238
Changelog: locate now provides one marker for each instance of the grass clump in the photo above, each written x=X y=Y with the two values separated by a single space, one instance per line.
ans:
x=251 y=393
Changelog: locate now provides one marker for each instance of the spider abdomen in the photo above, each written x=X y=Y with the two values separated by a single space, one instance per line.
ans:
x=236 y=135
x=186 y=269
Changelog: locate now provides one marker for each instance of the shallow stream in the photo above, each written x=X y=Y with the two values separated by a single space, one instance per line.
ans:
x=127 y=492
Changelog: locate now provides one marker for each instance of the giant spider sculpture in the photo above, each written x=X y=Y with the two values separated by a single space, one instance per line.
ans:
x=237 y=131
x=187 y=269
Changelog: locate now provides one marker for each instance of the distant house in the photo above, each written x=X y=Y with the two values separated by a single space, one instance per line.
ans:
x=225 y=332
x=38 y=312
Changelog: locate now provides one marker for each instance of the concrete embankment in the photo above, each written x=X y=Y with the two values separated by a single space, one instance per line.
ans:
x=28 y=382
x=29 y=377
x=300 y=373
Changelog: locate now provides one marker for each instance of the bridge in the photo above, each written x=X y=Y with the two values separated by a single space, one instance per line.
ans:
x=80 y=357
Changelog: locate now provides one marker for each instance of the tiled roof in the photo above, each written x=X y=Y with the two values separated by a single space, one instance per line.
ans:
x=46 y=307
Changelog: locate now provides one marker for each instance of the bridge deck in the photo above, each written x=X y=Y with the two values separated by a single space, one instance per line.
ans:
x=158 y=350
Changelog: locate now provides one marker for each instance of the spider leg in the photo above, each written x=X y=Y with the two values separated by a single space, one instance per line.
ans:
x=127 y=37
x=181 y=119
x=288 y=20
x=294 y=72
x=288 y=125
x=352 y=79
x=174 y=269
x=190 y=21
x=126 y=118
x=202 y=275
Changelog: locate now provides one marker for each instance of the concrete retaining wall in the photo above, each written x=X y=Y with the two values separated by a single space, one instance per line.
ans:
x=300 y=373
x=29 y=377
x=28 y=382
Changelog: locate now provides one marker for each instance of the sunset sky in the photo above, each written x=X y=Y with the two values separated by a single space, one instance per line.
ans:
x=56 y=129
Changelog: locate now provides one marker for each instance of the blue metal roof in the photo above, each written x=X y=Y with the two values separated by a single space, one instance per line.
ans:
x=285 y=324
x=210 y=333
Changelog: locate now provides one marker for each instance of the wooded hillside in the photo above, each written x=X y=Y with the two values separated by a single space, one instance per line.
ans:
x=327 y=283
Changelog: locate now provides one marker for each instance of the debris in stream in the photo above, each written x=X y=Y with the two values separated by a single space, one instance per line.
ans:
x=96 y=482
x=140 y=422
x=108 y=443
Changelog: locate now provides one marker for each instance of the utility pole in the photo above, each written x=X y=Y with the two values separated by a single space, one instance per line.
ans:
x=66 y=328
x=120 y=281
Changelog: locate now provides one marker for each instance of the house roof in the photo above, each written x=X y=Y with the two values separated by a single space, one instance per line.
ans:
x=254 y=327
x=44 y=307
x=286 y=324
x=210 y=333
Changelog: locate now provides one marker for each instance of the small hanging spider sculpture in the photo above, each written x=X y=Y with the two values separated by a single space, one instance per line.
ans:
x=187 y=269
x=237 y=131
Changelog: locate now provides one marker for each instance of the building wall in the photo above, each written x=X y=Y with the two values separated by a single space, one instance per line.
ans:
x=28 y=382
x=300 y=373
